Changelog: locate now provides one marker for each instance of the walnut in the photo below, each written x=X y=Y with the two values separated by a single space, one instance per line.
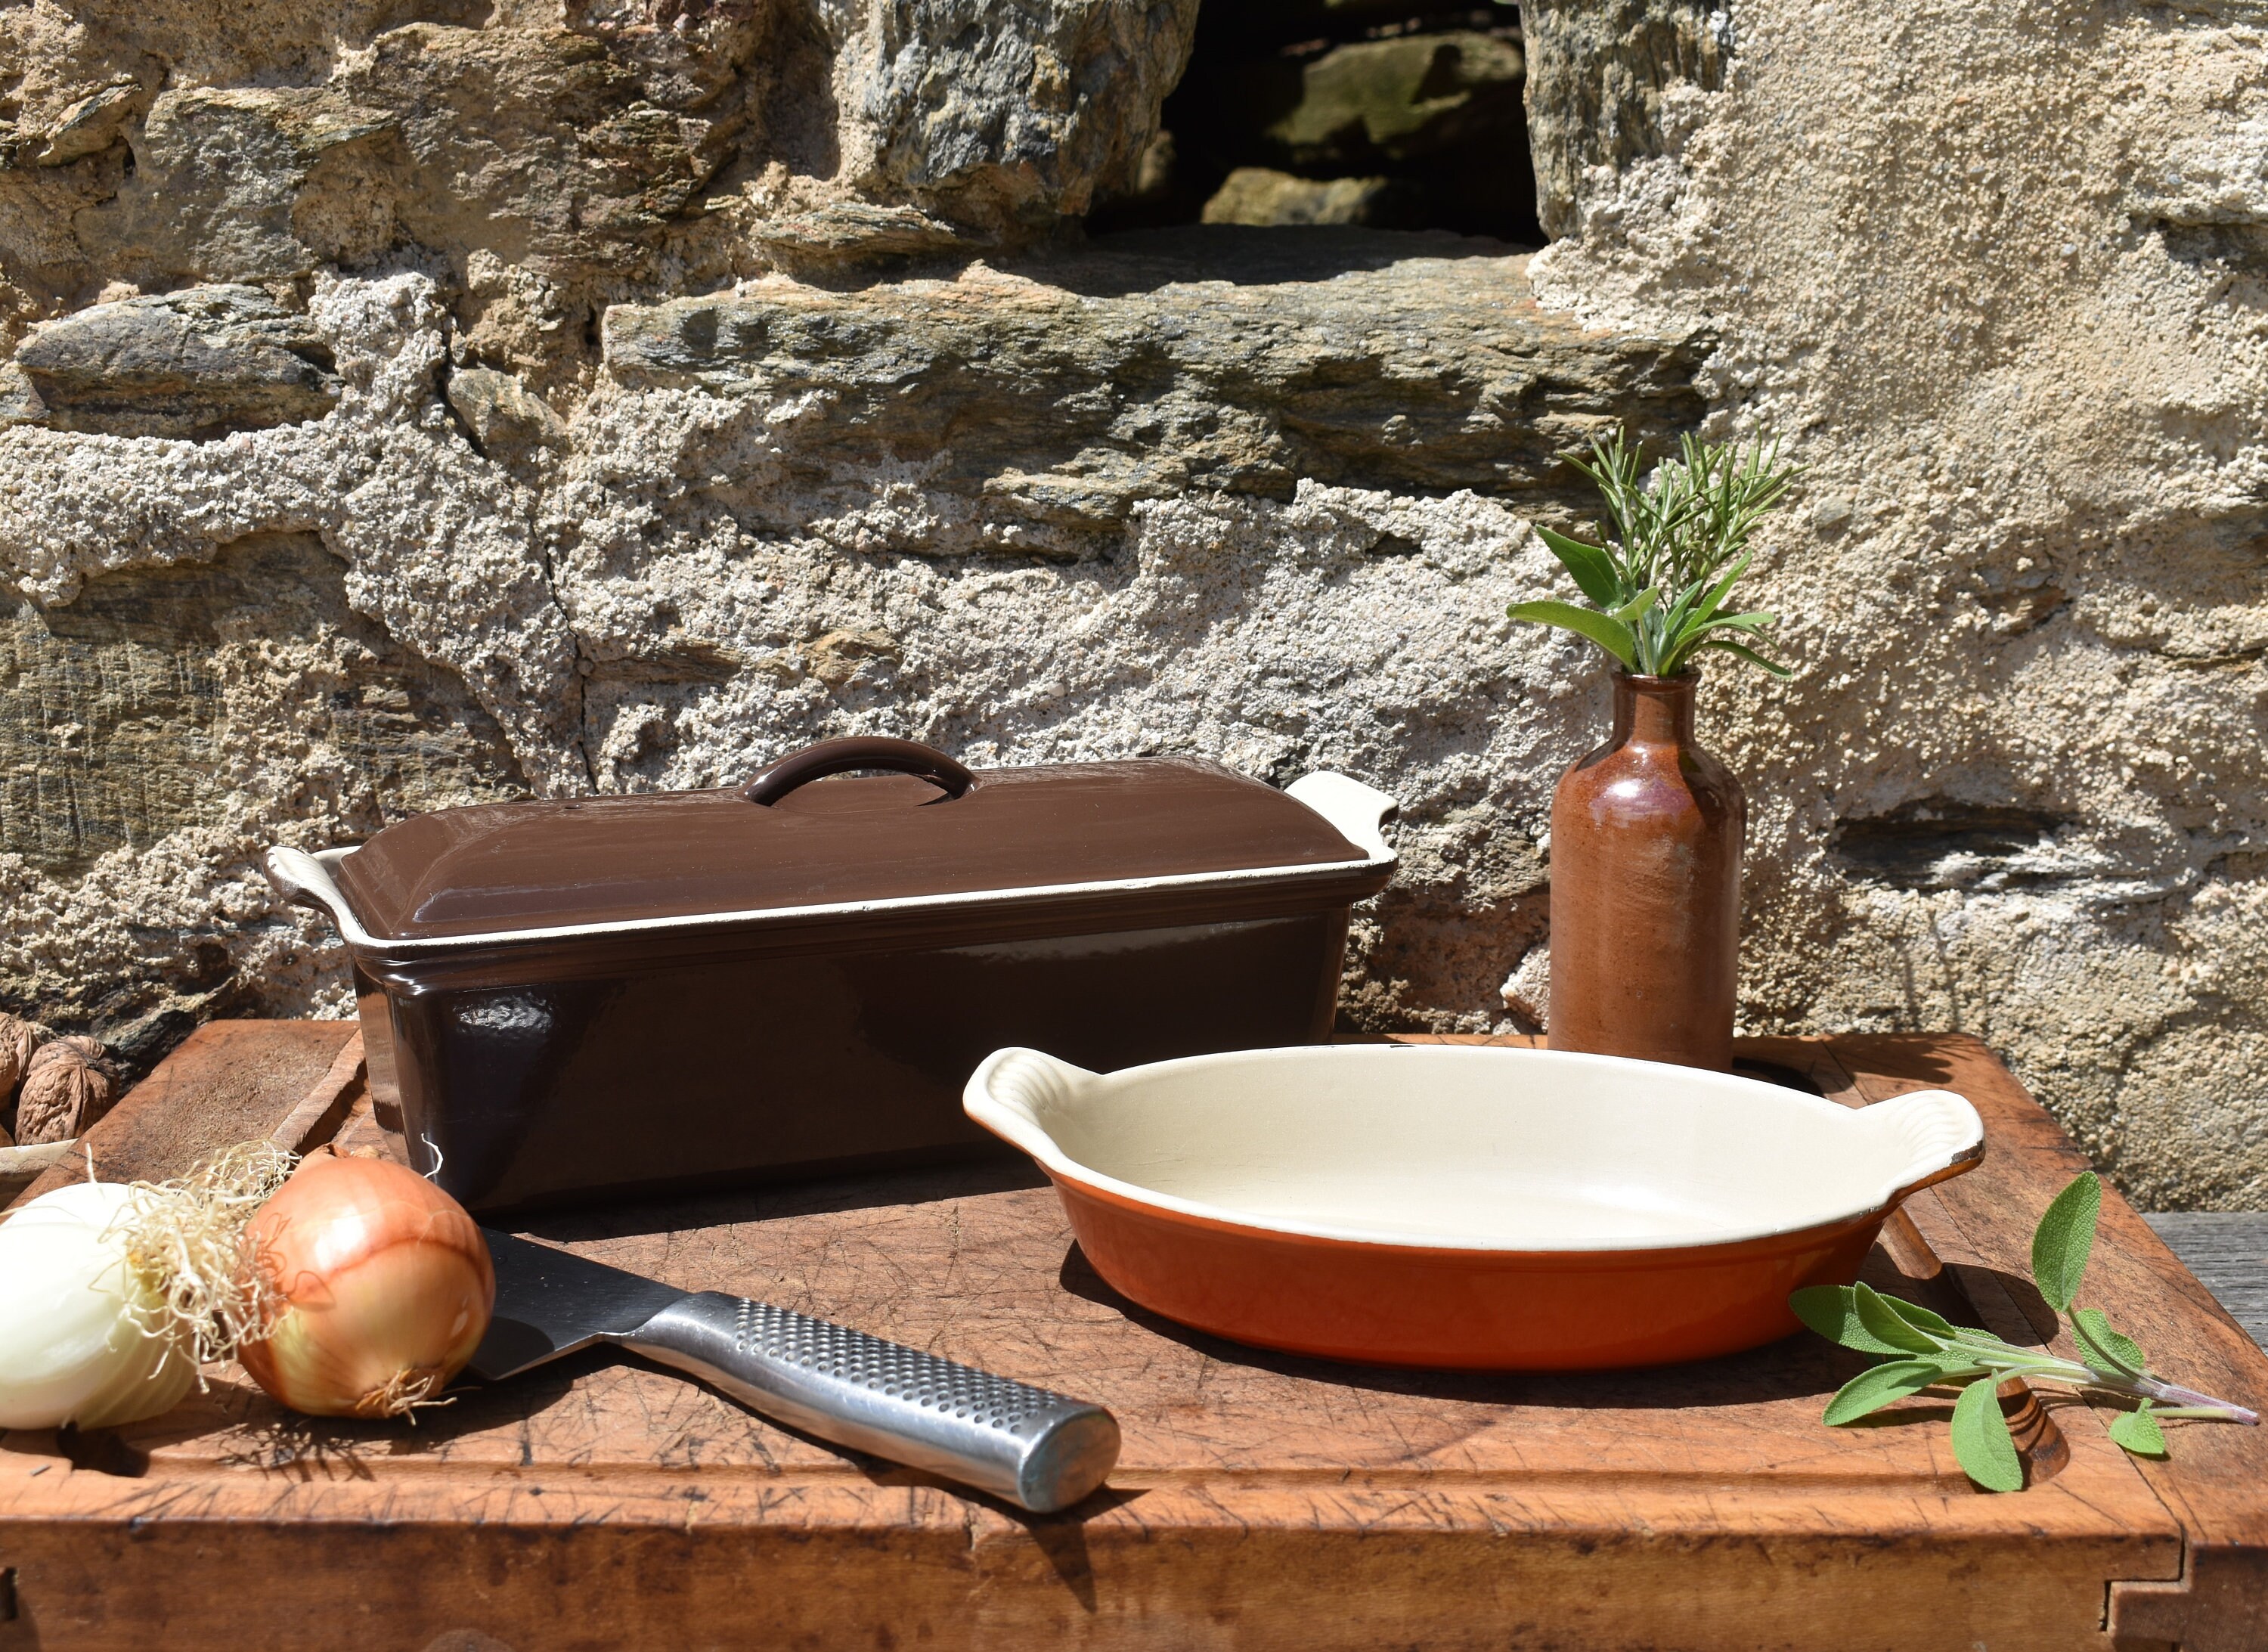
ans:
x=71 y=1084
x=18 y=1038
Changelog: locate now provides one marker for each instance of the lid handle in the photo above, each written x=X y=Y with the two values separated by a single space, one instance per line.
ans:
x=776 y=781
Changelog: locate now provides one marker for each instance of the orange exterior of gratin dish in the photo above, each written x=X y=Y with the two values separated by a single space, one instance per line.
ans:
x=1471 y=1309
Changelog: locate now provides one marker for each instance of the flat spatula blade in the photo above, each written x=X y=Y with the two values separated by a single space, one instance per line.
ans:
x=549 y=1302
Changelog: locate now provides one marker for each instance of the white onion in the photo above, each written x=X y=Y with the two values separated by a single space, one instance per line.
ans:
x=72 y=1346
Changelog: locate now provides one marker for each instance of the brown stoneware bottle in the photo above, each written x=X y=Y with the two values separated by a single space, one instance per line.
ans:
x=1646 y=835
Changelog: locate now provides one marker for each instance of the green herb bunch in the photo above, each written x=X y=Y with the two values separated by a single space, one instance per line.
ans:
x=1675 y=547
x=1920 y=1350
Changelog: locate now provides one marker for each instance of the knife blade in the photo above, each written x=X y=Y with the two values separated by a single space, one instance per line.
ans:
x=1033 y=1445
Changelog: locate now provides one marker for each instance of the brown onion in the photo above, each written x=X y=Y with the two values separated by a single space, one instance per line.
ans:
x=380 y=1283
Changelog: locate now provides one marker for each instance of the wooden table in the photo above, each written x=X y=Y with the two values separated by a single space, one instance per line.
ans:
x=1263 y=1500
x=2229 y=1252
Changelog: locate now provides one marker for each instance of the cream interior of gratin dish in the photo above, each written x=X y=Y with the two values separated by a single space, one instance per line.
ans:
x=1512 y=1149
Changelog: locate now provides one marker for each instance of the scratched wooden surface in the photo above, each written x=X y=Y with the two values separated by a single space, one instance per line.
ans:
x=1263 y=1500
x=2228 y=1251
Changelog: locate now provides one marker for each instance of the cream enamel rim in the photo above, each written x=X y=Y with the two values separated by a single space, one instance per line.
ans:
x=1013 y=1122
x=1354 y=810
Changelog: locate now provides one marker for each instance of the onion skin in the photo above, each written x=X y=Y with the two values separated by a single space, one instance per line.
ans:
x=69 y=1349
x=383 y=1288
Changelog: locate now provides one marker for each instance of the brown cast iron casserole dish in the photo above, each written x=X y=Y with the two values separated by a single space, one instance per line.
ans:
x=612 y=996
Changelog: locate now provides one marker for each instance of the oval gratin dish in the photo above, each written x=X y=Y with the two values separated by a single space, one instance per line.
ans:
x=1493 y=1209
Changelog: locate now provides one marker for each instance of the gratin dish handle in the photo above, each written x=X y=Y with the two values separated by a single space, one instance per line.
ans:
x=1013 y=1092
x=1931 y=1135
x=1038 y=1449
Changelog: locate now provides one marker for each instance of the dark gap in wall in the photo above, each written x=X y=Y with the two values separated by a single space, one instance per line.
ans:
x=1405 y=115
x=1938 y=843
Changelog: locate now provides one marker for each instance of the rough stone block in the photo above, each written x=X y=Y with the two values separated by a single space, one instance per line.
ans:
x=197 y=363
x=1005 y=112
x=505 y=419
x=1400 y=98
x=1261 y=196
x=229 y=183
x=1029 y=408
x=117 y=710
x=1596 y=71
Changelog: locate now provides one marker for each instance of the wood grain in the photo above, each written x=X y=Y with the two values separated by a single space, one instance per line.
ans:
x=1263 y=1500
x=318 y=1115
x=228 y=1081
x=2229 y=1252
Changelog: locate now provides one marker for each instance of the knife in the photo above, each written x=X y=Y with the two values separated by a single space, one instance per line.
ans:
x=1034 y=1447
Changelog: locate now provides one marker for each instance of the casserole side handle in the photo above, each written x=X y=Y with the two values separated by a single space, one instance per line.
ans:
x=304 y=881
x=1929 y=1135
x=1355 y=811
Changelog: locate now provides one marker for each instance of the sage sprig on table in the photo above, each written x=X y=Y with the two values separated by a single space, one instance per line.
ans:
x=1922 y=1349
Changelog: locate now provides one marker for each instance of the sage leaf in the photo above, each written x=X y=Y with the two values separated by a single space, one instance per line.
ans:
x=1592 y=569
x=1920 y=1349
x=2105 y=1348
x=1882 y=1321
x=1641 y=604
x=1935 y=1325
x=1832 y=1310
x=1604 y=629
x=2065 y=1239
x=2138 y=1432
x=1981 y=1442
x=1878 y=1386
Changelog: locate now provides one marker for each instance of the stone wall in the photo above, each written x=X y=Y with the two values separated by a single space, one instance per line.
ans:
x=1998 y=273
x=415 y=403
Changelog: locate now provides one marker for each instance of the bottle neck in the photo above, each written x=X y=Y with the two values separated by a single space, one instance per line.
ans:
x=1654 y=710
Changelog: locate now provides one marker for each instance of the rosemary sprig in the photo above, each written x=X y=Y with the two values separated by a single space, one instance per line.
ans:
x=1676 y=546
x=1921 y=1350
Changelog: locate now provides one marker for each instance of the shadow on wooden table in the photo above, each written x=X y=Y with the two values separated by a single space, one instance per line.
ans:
x=1891 y=1056
x=255 y=1433
x=825 y=1196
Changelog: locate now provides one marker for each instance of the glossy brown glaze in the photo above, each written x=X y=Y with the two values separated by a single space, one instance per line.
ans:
x=587 y=1085
x=848 y=756
x=540 y=1069
x=614 y=860
x=1646 y=834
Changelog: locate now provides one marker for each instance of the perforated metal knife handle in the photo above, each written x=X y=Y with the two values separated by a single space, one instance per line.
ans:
x=1032 y=1446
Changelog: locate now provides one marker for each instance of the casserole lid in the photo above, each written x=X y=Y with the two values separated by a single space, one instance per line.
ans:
x=795 y=839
